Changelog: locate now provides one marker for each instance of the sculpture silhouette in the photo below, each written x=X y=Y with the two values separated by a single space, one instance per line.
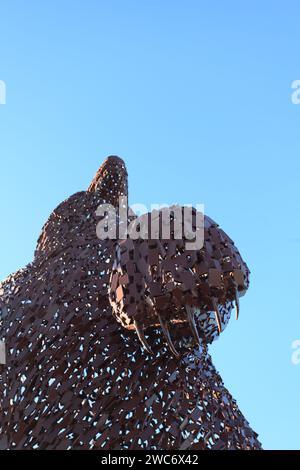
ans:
x=106 y=340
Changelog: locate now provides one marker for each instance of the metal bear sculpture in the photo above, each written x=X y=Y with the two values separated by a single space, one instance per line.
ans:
x=88 y=365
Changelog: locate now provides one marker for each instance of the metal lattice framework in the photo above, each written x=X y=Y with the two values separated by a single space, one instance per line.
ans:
x=106 y=341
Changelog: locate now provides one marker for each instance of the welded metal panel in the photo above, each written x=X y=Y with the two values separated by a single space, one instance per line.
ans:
x=2 y=352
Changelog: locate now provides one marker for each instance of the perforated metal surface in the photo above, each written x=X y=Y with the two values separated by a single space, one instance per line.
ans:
x=76 y=373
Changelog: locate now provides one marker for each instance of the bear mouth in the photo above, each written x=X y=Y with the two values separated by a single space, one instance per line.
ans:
x=186 y=328
x=160 y=284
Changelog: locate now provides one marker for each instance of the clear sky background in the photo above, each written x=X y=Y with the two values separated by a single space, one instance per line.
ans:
x=196 y=97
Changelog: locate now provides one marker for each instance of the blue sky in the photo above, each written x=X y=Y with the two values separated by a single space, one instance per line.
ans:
x=196 y=97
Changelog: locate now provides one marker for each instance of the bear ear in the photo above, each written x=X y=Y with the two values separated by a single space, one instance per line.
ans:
x=111 y=180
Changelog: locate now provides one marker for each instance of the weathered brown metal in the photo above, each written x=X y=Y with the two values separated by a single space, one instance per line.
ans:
x=75 y=378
